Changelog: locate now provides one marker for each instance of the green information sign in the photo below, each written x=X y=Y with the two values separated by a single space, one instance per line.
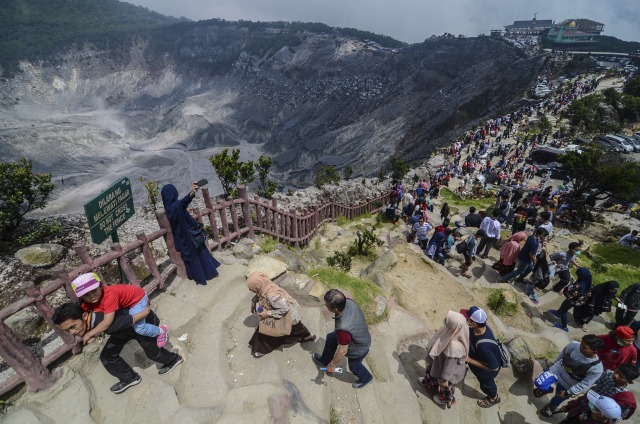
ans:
x=109 y=210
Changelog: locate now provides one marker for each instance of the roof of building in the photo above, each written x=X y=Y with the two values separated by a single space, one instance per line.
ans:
x=580 y=23
x=537 y=23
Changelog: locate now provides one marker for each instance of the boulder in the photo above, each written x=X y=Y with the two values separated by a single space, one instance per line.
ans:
x=289 y=257
x=381 y=265
x=317 y=290
x=381 y=305
x=521 y=358
x=381 y=281
x=41 y=255
x=25 y=323
x=273 y=268
x=243 y=251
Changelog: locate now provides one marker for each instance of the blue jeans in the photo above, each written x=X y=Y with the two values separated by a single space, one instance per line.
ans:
x=523 y=266
x=142 y=327
x=355 y=364
x=487 y=380
x=556 y=401
x=563 y=312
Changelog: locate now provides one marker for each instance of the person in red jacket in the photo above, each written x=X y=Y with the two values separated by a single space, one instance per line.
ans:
x=618 y=348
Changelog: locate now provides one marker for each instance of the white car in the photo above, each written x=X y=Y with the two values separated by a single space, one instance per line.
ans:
x=573 y=148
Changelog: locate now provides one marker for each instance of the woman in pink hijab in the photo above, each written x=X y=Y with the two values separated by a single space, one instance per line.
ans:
x=509 y=253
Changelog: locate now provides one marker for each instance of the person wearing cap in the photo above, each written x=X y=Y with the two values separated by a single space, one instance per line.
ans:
x=71 y=318
x=618 y=348
x=109 y=299
x=614 y=384
x=576 y=368
x=484 y=355
x=594 y=408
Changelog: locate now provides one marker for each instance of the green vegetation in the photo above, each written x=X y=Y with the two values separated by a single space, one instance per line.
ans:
x=340 y=260
x=363 y=292
x=228 y=168
x=363 y=244
x=153 y=190
x=21 y=191
x=453 y=199
x=499 y=305
x=347 y=172
x=326 y=175
x=342 y=220
x=399 y=168
x=266 y=188
x=612 y=262
x=267 y=243
x=41 y=233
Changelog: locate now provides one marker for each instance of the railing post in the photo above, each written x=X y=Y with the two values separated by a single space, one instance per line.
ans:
x=149 y=259
x=259 y=208
x=83 y=254
x=294 y=227
x=274 y=203
x=19 y=357
x=174 y=255
x=124 y=265
x=212 y=215
x=223 y=221
x=41 y=304
x=234 y=217
x=246 y=213
x=332 y=210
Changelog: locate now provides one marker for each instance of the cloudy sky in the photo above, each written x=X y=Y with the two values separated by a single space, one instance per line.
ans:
x=412 y=20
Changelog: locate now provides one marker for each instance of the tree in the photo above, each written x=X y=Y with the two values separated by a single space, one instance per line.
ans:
x=267 y=187
x=20 y=192
x=347 y=172
x=399 y=168
x=598 y=173
x=632 y=87
x=231 y=171
x=545 y=124
x=153 y=189
x=326 y=175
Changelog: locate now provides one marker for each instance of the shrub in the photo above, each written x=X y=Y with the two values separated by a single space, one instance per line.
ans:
x=342 y=220
x=266 y=187
x=231 y=171
x=44 y=229
x=267 y=243
x=21 y=191
x=363 y=244
x=340 y=260
x=153 y=189
x=499 y=305
x=326 y=175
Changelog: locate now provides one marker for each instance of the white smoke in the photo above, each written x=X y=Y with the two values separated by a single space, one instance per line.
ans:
x=107 y=119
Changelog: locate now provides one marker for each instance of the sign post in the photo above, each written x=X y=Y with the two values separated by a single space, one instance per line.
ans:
x=108 y=211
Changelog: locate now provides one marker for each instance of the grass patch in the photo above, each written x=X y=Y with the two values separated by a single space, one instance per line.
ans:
x=453 y=199
x=363 y=292
x=342 y=220
x=397 y=294
x=612 y=262
x=549 y=355
x=267 y=243
x=372 y=367
x=334 y=417
x=499 y=305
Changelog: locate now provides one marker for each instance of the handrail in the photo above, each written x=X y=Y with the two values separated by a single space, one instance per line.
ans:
x=237 y=217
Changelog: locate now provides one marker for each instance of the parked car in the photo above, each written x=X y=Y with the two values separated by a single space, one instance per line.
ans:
x=544 y=155
x=609 y=145
x=581 y=141
x=621 y=142
x=558 y=171
x=573 y=148
x=632 y=141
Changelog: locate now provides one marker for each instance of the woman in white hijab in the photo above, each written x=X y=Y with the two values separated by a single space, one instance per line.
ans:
x=448 y=349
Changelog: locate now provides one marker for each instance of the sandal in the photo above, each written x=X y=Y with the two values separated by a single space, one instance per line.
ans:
x=310 y=338
x=465 y=275
x=487 y=402
x=584 y=327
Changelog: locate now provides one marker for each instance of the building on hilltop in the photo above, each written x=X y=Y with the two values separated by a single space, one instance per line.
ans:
x=532 y=27
x=575 y=33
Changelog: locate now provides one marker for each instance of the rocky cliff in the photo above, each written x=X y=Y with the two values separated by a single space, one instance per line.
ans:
x=175 y=96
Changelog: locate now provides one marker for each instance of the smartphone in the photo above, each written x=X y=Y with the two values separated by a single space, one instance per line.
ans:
x=202 y=182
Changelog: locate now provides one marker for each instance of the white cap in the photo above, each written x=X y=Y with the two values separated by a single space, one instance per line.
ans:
x=606 y=405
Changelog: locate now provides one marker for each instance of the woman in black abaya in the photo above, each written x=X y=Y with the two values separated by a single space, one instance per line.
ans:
x=199 y=263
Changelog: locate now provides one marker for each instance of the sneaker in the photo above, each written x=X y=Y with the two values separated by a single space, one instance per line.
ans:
x=162 y=338
x=560 y=326
x=171 y=365
x=121 y=386
x=534 y=300
x=316 y=358
x=554 y=313
x=547 y=411
x=359 y=384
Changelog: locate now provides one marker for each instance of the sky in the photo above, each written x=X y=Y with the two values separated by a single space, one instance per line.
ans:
x=412 y=21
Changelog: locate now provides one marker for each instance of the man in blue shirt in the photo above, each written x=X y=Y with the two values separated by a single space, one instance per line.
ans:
x=527 y=258
x=484 y=355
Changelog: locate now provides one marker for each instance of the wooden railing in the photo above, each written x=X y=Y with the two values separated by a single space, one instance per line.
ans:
x=237 y=217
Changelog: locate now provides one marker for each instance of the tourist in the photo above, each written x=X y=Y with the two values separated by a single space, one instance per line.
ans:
x=72 y=318
x=629 y=304
x=614 y=384
x=491 y=226
x=545 y=222
x=520 y=217
x=526 y=261
x=484 y=355
x=444 y=211
x=448 y=351
x=575 y=294
x=421 y=230
x=351 y=338
x=509 y=253
x=576 y=368
x=593 y=408
x=199 y=263
x=273 y=302
x=469 y=251
x=473 y=219
x=435 y=247
x=599 y=301
x=563 y=260
x=629 y=240
x=110 y=298
x=618 y=348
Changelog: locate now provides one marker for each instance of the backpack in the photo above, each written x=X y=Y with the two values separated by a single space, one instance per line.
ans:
x=462 y=246
x=505 y=356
